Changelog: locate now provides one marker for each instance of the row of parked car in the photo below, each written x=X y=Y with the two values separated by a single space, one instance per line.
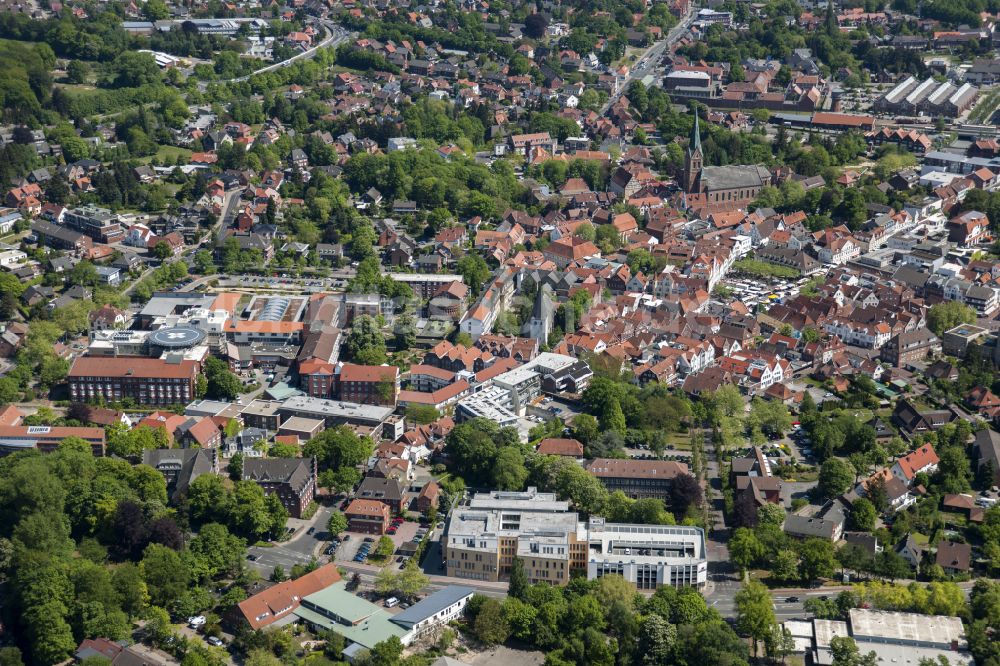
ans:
x=363 y=551
x=394 y=527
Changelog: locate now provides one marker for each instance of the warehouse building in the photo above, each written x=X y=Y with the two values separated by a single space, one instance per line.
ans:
x=927 y=97
x=904 y=639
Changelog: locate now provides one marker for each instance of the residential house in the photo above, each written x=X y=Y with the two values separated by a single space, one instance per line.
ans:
x=954 y=558
x=367 y=516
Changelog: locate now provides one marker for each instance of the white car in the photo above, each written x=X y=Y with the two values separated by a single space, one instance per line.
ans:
x=196 y=621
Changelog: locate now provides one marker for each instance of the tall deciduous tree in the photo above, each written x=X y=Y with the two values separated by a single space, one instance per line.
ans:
x=518 y=585
x=755 y=612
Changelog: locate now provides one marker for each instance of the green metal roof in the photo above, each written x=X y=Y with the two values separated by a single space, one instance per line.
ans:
x=368 y=633
x=364 y=622
x=342 y=603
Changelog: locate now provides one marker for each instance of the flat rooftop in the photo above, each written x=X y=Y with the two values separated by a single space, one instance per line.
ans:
x=350 y=411
x=528 y=500
x=164 y=304
x=525 y=523
x=622 y=535
x=937 y=630
x=827 y=630
x=542 y=364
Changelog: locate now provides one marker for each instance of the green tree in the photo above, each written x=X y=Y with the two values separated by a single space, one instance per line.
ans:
x=509 y=472
x=339 y=447
x=474 y=272
x=518 y=585
x=755 y=612
x=491 y=625
x=745 y=548
x=612 y=418
x=845 y=653
x=235 y=467
x=365 y=343
x=217 y=551
x=816 y=559
x=204 y=264
x=337 y=523
x=385 y=548
x=77 y=71
x=165 y=574
x=785 y=565
x=656 y=640
x=863 y=515
x=947 y=315
x=222 y=383
x=835 y=477
x=249 y=511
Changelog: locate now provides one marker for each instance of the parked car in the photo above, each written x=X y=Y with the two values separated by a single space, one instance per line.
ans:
x=391 y=601
x=214 y=640
x=196 y=621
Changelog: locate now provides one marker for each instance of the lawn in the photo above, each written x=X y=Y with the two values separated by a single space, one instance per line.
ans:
x=679 y=440
x=168 y=154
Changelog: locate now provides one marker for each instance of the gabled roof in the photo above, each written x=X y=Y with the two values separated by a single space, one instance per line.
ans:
x=275 y=602
x=560 y=447
x=432 y=605
x=913 y=462
x=952 y=555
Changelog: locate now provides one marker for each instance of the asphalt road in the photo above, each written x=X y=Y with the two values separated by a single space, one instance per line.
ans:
x=299 y=549
x=334 y=36
x=650 y=60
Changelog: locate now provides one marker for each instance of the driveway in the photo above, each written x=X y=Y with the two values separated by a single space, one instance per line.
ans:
x=791 y=490
x=301 y=541
x=299 y=549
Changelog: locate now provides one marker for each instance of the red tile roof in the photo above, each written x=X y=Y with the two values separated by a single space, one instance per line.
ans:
x=10 y=416
x=367 y=507
x=94 y=366
x=640 y=469
x=917 y=460
x=560 y=447
x=350 y=372
x=276 y=602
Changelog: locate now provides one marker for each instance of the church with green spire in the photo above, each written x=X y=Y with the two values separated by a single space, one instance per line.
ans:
x=718 y=188
x=693 y=159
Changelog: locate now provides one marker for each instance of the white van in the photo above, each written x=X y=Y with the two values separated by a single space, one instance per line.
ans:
x=391 y=601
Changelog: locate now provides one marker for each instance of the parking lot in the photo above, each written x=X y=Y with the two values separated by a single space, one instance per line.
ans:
x=760 y=291
x=645 y=454
x=285 y=281
x=348 y=549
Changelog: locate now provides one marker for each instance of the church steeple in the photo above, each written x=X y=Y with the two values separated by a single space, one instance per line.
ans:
x=695 y=143
x=693 y=159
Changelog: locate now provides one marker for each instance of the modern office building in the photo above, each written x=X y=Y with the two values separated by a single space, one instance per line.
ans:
x=485 y=535
x=648 y=556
